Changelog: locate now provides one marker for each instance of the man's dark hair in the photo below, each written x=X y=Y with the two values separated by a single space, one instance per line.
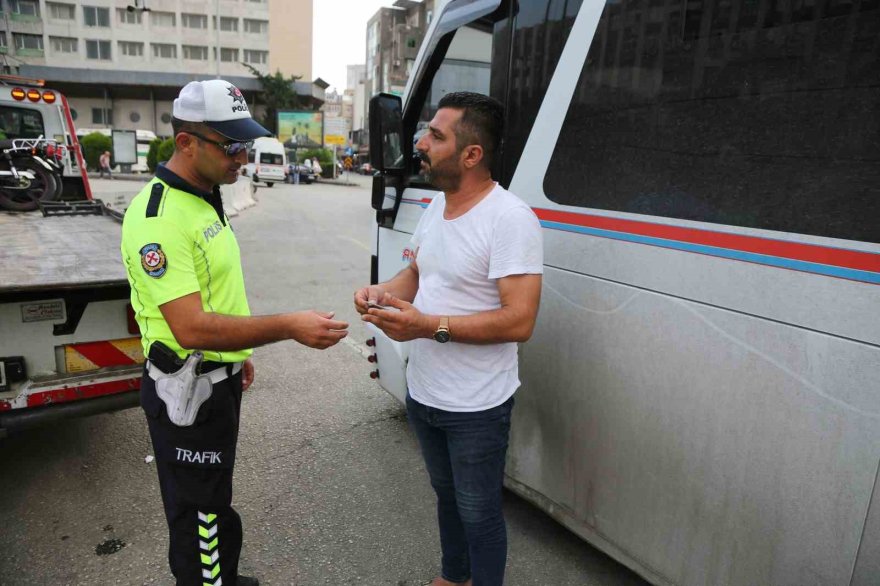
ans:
x=482 y=121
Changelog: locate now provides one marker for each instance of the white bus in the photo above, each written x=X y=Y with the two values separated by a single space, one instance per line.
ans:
x=701 y=396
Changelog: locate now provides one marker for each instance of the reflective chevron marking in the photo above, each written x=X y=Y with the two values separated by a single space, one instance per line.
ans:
x=211 y=560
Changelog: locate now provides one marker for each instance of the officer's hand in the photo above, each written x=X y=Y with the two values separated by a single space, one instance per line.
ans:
x=247 y=374
x=371 y=294
x=406 y=324
x=317 y=329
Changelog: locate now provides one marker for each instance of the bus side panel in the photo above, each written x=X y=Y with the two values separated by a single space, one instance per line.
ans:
x=709 y=446
x=867 y=569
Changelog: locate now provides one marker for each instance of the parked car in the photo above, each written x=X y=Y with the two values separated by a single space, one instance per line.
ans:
x=306 y=174
x=365 y=169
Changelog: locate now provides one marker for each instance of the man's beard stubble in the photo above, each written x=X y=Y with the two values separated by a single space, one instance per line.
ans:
x=445 y=176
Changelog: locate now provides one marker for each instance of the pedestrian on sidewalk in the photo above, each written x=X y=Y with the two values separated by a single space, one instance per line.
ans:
x=104 y=164
x=469 y=294
x=187 y=290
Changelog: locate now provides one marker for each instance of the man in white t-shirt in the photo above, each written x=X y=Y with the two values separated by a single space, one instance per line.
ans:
x=471 y=293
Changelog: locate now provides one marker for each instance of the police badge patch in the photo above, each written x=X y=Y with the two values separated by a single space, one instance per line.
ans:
x=153 y=260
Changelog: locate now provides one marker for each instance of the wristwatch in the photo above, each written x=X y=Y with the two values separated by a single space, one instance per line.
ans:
x=442 y=334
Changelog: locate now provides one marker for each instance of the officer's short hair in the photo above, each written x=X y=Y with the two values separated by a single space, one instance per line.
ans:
x=482 y=121
x=178 y=126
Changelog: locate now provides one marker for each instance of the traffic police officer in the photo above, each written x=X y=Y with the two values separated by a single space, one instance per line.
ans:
x=187 y=290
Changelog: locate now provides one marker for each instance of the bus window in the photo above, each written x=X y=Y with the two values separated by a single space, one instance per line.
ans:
x=721 y=111
x=20 y=123
x=271 y=159
x=465 y=67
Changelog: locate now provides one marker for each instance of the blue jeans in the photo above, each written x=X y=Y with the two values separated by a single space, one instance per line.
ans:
x=464 y=454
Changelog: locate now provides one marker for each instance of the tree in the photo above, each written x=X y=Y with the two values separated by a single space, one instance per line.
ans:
x=153 y=154
x=93 y=145
x=278 y=94
x=165 y=150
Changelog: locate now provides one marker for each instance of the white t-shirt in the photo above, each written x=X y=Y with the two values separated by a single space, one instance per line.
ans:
x=459 y=261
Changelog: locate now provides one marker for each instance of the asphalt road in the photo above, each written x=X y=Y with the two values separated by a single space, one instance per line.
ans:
x=329 y=482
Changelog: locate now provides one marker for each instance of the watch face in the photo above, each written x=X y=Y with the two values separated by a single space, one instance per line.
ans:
x=441 y=336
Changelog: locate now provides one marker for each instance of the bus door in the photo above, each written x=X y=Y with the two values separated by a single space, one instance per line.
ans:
x=465 y=50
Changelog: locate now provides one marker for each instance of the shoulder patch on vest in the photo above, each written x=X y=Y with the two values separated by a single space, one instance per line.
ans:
x=153 y=260
x=155 y=199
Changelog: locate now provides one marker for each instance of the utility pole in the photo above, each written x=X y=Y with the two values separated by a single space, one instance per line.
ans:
x=217 y=34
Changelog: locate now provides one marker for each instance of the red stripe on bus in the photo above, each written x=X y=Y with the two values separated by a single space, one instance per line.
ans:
x=65 y=395
x=853 y=259
x=5 y=406
x=103 y=354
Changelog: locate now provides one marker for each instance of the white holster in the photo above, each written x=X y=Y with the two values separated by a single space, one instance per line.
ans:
x=184 y=391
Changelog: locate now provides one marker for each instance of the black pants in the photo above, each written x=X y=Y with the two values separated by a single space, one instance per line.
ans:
x=195 y=467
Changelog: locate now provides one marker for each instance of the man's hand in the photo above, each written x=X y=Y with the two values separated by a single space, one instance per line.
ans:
x=363 y=297
x=247 y=374
x=316 y=329
x=404 y=325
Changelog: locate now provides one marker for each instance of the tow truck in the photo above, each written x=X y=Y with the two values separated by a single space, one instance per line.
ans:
x=69 y=344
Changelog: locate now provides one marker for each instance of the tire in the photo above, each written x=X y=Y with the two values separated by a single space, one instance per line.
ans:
x=26 y=196
x=269 y=184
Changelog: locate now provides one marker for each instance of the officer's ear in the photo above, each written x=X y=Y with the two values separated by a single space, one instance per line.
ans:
x=184 y=142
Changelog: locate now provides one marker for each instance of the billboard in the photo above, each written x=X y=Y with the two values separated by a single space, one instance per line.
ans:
x=301 y=129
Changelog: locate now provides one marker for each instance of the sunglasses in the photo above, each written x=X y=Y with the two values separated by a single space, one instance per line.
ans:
x=230 y=148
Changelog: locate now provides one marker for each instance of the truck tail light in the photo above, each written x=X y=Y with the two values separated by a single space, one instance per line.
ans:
x=49 y=97
x=18 y=94
x=33 y=95
x=132 y=322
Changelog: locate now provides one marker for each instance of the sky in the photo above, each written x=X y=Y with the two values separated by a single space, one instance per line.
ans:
x=340 y=37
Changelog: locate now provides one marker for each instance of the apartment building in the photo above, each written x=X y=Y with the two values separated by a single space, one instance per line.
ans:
x=122 y=62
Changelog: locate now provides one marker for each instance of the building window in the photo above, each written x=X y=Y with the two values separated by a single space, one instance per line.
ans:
x=61 y=45
x=256 y=26
x=227 y=55
x=256 y=57
x=3 y=44
x=131 y=49
x=27 y=42
x=194 y=20
x=164 y=51
x=129 y=17
x=411 y=42
x=98 y=50
x=195 y=53
x=26 y=8
x=163 y=19
x=102 y=116
x=59 y=11
x=227 y=23
x=96 y=16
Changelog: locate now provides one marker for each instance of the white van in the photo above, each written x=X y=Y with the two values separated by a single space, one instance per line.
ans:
x=267 y=161
x=700 y=395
